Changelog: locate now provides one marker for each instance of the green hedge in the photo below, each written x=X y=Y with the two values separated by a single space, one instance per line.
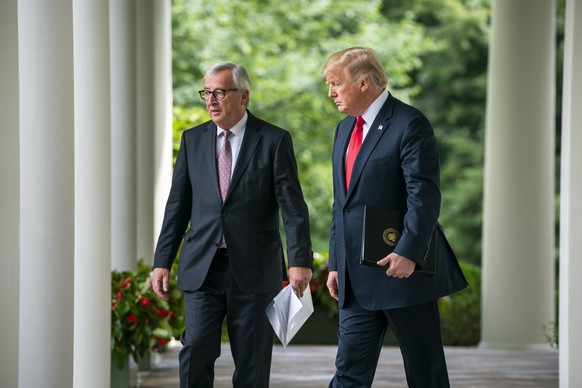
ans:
x=461 y=312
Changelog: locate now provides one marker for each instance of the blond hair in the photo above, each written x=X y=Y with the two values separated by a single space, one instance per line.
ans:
x=358 y=62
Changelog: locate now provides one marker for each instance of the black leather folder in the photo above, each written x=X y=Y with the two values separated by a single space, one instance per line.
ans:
x=380 y=234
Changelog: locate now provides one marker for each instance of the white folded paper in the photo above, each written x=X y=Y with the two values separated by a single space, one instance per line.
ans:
x=287 y=313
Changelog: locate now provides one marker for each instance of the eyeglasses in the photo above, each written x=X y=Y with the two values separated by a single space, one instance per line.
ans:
x=219 y=94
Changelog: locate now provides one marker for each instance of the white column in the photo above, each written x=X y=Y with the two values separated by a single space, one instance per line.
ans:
x=45 y=34
x=154 y=120
x=518 y=225
x=570 y=205
x=123 y=135
x=9 y=199
x=145 y=128
x=92 y=335
x=163 y=153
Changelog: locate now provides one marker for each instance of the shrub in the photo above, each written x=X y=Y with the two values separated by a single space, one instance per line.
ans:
x=139 y=319
x=461 y=312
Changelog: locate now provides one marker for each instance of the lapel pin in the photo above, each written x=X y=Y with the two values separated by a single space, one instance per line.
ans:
x=380 y=127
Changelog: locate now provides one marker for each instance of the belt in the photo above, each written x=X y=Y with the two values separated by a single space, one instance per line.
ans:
x=222 y=252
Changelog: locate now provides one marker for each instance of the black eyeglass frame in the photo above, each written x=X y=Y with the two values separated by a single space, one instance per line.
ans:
x=219 y=94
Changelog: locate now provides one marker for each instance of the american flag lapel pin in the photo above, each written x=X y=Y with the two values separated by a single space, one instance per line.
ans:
x=380 y=127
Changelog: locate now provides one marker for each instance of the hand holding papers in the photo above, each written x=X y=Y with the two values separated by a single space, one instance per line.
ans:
x=287 y=313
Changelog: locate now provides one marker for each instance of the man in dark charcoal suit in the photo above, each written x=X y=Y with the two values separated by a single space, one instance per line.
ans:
x=233 y=177
x=385 y=155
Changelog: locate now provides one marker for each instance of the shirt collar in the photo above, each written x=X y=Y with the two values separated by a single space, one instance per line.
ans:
x=370 y=114
x=238 y=128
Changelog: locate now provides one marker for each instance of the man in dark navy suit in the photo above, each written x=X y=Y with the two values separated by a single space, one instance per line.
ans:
x=234 y=175
x=385 y=155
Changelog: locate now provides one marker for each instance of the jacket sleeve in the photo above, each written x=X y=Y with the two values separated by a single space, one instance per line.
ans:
x=421 y=171
x=293 y=207
x=332 y=257
x=177 y=213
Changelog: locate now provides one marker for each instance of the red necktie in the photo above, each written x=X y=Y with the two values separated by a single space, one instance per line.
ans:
x=354 y=147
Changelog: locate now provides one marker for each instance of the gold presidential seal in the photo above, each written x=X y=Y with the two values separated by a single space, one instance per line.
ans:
x=391 y=236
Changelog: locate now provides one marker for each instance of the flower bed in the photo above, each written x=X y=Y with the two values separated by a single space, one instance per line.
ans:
x=140 y=321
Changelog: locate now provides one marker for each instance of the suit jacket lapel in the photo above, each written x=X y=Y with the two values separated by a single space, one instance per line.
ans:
x=247 y=149
x=378 y=128
x=343 y=139
x=209 y=154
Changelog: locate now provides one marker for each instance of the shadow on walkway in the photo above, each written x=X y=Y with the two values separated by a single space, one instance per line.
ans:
x=313 y=366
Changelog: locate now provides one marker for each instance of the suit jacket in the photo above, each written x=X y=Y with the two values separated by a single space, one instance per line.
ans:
x=396 y=168
x=263 y=185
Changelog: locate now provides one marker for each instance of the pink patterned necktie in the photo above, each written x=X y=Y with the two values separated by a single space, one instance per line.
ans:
x=353 y=148
x=224 y=165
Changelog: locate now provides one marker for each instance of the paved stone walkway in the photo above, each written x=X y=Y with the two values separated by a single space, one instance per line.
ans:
x=313 y=366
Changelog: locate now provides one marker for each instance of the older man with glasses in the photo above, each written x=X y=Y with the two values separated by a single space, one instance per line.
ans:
x=234 y=176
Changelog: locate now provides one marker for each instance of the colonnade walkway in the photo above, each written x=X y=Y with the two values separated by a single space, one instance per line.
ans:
x=309 y=366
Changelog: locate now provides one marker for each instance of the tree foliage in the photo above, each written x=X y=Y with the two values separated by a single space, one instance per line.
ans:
x=434 y=55
x=452 y=93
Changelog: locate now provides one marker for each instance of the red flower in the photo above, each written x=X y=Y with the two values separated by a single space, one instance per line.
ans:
x=118 y=297
x=313 y=287
x=131 y=318
x=162 y=341
x=285 y=283
x=162 y=312
x=144 y=301
x=125 y=283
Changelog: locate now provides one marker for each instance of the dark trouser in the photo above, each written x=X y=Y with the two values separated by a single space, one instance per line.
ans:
x=251 y=335
x=361 y=333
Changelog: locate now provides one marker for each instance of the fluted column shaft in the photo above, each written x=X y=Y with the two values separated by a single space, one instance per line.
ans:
x=92 y=334
x=518 y=213
x=47 y=200
x=570 y=205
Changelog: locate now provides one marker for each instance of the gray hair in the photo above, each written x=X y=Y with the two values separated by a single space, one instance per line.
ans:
x=240 y=77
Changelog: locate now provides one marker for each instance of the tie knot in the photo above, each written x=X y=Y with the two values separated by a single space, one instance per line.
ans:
x=360 y=121
x=226 y=134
